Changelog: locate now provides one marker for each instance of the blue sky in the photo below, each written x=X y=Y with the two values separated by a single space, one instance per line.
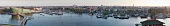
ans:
x=84 y=2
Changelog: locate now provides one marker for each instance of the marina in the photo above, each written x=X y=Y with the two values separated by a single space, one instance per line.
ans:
x=72 y=19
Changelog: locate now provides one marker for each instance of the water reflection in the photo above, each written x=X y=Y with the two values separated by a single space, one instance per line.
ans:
x=69 y=19
x=15 y=19
x=103 y=17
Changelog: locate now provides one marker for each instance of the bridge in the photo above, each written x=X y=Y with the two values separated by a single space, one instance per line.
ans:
x=24 y=21
x=20 y=11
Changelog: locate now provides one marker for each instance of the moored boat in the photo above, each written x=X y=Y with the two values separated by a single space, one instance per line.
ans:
x=124 y=17
x=100 y=16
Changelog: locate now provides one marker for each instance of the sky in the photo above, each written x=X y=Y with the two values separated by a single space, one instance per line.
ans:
x=84 y=2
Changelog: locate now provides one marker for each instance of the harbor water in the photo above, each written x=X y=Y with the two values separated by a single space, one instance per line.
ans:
x=72 y=19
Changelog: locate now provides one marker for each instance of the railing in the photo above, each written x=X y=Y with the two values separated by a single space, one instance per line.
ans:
x=23 y=22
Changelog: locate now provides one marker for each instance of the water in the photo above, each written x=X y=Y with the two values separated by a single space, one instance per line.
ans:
x=69 y=19
x=4 y=19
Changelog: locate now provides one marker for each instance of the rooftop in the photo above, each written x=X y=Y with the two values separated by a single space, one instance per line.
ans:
x=150 y=22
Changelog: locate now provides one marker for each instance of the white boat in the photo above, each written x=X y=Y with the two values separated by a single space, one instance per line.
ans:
x=100 y=16
x=134 y=15
x=117 y=16
x=160 y=16
x=111 y=15
x=124 y=17
x=60 y=13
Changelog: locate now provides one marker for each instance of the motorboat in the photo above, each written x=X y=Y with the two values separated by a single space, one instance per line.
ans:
x=143 y=16
x=117 y=16
x=58 y=13
x=134 y=15
x=100 y=16
x=110 y=15
x=124 y=17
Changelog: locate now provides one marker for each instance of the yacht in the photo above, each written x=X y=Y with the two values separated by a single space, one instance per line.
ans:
x=110 y=15
x=60 y=13
x=143 y=16
x=134 y=15
x=124 y=17
x=116 y=16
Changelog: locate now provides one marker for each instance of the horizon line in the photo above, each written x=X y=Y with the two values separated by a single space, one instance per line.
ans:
x=77 y=5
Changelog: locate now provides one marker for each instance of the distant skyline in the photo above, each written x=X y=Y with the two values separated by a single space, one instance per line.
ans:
x=84 y=2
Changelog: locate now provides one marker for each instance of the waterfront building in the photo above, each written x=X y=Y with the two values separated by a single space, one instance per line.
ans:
x=37 y=9
x=152 y=23
x=156 y=11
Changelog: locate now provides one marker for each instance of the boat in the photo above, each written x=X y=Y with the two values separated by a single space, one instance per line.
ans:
x=117 y=16
x=46 y=12
x=139 y=24
x=114 y=15
x=60 y=13
x=41 y=14
x=110 y=15
x=49 y=13
x=143 y=16
x=167 y=15
x=134 y=15
x=54 y=12
x=105 y=17
x=160 y=16
x=124 y=17
x=100 y=16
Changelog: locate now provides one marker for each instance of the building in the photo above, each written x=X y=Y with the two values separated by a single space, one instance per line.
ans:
x=152 y=23
x=37 y=9
x=157 y=11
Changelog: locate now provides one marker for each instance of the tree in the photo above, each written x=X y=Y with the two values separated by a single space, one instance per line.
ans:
x=153 y=12
x=106 y=12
